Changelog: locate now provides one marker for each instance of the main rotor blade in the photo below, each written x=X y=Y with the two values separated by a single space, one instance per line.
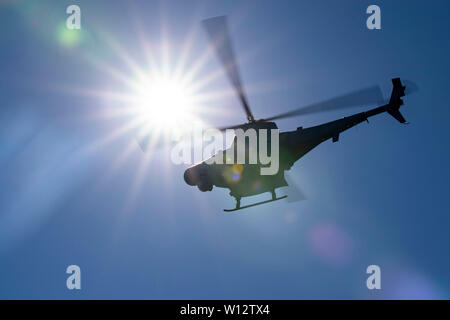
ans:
x=363 y=97
x=218 y=33
x=294 y=192
x=230 y=127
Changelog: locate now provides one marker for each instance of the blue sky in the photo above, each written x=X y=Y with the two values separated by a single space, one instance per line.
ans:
x=69 y=196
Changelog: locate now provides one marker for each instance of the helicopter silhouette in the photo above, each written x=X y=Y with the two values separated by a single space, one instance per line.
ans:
x=245 y=180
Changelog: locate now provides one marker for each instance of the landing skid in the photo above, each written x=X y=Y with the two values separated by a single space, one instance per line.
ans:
x=254 y=204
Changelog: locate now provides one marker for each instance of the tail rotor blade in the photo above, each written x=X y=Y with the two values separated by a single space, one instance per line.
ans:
x=218 y=33
x=367 y=96
x=411 y=87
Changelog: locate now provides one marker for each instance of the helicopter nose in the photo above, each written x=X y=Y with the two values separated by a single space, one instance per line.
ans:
x=191 y=176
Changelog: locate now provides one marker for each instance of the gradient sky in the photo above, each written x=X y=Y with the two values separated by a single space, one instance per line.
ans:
x=68 y=195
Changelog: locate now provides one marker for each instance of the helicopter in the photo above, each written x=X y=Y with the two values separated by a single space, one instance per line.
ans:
x=245 y=180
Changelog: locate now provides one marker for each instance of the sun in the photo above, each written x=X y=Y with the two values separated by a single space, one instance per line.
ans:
x=163 y=101
x=166 y=105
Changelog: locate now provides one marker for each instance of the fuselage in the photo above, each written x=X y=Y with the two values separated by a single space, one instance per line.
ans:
x=246 y=179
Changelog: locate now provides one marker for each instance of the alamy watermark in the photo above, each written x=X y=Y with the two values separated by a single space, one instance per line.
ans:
x=374 y=20
x=251 y=146
x=73 y=22
x=74 y=280
x=374 y=280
